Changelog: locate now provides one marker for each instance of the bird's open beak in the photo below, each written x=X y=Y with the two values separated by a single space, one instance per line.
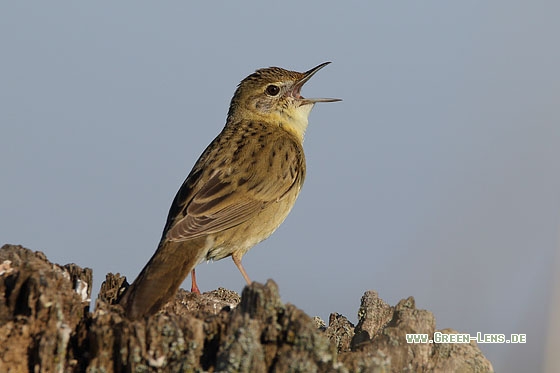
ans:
x=306 y=76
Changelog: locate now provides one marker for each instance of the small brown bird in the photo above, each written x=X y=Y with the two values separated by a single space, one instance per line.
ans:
x=239 y=191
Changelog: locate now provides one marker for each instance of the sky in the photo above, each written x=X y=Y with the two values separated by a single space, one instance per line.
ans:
x=436 y=177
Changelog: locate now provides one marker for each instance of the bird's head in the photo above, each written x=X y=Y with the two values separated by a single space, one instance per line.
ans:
x=274 y=95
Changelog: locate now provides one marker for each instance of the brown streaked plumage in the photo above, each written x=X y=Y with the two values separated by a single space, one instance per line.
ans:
x=239 y=191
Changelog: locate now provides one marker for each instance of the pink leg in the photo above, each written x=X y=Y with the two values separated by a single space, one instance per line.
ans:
x=237 y=260
x=194 y=286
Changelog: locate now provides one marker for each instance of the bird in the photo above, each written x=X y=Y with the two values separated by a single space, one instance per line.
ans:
x=238 y=192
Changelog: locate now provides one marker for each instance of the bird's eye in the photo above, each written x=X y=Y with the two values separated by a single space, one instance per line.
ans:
x=272 y=90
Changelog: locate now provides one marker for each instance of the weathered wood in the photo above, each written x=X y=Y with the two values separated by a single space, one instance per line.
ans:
x=46 y=326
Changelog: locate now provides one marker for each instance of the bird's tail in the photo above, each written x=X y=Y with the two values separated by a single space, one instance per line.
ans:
x=159 y=280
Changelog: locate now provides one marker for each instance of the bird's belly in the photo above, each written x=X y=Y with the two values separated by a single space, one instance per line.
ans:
x=243 y=237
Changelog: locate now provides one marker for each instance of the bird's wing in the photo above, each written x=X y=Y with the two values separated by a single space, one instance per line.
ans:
x=240 y=189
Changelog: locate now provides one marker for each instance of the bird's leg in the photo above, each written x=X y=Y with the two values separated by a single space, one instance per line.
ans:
x=237 y=260
x=194 y=286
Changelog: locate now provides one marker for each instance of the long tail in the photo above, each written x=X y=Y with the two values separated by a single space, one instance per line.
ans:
x=159 y=280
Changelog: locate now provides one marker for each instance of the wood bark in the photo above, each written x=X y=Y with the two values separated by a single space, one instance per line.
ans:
x=46 y=326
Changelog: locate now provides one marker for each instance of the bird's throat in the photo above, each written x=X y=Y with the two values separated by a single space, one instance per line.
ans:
x=295 y=119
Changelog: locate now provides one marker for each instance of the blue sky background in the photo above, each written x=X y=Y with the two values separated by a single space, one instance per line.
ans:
x=436 y=177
